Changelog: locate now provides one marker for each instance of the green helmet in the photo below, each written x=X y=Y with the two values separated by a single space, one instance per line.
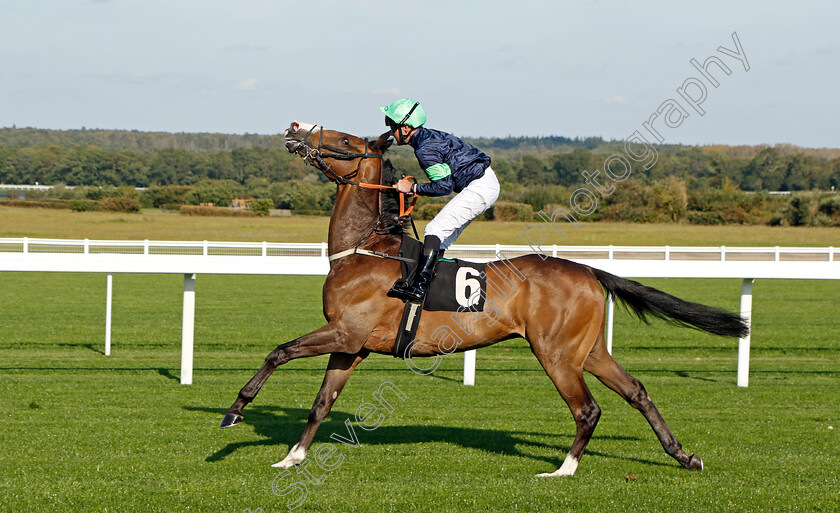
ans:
x=404 y=112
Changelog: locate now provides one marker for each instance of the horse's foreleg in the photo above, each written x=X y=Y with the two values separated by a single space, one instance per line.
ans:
x=610 y=373
x=340 y=367
x=325 y=340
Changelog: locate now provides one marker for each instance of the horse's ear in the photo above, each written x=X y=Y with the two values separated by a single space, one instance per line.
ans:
x=382 y=143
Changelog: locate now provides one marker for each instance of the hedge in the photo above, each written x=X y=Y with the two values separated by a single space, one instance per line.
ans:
x=429 y=210
x=41 y=203
x=261 y=206
x=195 y=210
x=510 y=211
x=119 y=204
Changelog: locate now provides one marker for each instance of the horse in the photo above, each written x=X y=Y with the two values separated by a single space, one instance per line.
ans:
x=558 y=306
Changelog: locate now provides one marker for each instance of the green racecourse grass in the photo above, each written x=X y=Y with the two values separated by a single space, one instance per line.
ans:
x=155 y=225
x=86 y=432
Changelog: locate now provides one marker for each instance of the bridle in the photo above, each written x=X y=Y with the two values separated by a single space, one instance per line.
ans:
x=317 y=156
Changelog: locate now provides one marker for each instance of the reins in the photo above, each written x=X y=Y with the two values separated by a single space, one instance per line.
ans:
x=317 y=155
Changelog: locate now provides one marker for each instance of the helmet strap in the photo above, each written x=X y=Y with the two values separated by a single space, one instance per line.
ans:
x=400 y=137
x=410 y=112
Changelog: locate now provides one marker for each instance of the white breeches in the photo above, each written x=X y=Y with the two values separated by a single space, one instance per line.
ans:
x=468 y=204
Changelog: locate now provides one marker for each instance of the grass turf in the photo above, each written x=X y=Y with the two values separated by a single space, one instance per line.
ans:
x=155 y=225
x=86 y=432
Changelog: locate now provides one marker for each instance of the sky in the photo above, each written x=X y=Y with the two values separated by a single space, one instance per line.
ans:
x=479 y=68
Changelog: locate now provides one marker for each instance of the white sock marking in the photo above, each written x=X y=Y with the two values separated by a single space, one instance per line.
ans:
x=295 y=456
x=568 y=468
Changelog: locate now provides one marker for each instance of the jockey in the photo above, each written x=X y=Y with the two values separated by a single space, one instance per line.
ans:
x=451 y=165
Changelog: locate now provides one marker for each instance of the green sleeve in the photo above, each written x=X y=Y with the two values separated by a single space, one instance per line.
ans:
x=438 y=171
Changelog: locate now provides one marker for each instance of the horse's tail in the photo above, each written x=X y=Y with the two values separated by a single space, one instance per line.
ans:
x=643 y=301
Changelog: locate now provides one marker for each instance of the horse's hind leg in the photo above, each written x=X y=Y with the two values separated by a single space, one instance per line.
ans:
x=340 y=367
x=324 y=340
x=568 y=379
x=609 y=372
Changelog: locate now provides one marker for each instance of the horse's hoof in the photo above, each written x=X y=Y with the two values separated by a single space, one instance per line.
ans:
x=230 y=420
x=296 y=455
x=694 y=463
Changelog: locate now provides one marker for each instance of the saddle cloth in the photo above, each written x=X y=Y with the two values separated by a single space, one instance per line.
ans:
x=457 y=284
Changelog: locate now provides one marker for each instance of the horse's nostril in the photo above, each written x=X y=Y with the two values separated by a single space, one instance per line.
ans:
x=299 y=126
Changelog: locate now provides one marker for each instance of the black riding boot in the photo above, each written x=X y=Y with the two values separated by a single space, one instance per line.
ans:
x=422 y=276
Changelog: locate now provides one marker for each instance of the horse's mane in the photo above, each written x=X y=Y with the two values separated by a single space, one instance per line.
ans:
x=389 y=202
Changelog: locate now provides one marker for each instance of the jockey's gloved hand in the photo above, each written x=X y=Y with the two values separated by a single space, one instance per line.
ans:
x=404 y=185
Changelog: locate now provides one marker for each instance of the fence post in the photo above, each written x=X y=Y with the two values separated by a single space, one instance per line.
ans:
x=610 y=318
x=744 y=343
x=109 y=294
x=188 y=330
x=26 y=245
x=469 y=367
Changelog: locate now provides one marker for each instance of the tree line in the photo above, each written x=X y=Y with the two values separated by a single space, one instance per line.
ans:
x=711 y=184
x=142 y=159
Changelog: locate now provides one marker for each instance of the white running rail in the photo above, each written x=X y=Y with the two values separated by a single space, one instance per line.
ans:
x=276 y=258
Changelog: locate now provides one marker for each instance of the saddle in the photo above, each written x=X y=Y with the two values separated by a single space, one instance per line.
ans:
x=458 y=285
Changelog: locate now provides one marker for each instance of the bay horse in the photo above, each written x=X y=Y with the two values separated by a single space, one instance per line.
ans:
x=558 y=307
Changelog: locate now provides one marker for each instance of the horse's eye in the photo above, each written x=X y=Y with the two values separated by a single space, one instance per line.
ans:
x=346 y=141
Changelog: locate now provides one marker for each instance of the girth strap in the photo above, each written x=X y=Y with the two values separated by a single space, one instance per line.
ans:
x=368 y=252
